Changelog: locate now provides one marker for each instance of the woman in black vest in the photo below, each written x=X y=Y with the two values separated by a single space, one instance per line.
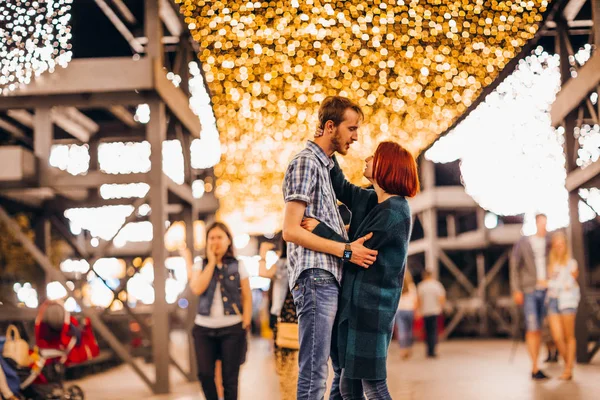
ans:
x=224 y=312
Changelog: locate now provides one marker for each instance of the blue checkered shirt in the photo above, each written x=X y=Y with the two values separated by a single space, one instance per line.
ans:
x=307 y=179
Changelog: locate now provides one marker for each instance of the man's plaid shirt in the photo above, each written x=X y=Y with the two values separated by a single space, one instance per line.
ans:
x=307 y=179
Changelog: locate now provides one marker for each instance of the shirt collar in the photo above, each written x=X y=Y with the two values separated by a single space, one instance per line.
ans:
x=318 y=151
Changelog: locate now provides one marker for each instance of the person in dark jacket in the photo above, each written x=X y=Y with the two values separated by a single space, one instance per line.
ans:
x=369 y=296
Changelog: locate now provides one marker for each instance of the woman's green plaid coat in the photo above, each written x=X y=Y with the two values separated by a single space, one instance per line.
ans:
x=369 y=297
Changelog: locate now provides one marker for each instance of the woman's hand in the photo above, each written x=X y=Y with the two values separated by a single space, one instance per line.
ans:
x=264 y=248
x=246 y=320
x=309 y=224
x=211 y=255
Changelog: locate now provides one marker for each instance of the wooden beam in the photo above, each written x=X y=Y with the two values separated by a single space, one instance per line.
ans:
x=582 y=176
x=443 y=197
x=74 y=123
x=156 y=135
x=91 y=75
x=460 y=277
x=123 y=115
x=176 y=100
x=43 y=135
x=184 y=192
x=94 y=179
x=170 y=17
x=125 y=12
x=453 y=323
x=123 y=30
x=15 y=132
x=572 y=9
x=575 y=90
x=77 y=99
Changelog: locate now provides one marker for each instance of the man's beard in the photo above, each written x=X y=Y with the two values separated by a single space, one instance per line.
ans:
x=336 y=142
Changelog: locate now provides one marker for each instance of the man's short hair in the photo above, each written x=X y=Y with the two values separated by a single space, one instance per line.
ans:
x=540 y=215
x=333 y=109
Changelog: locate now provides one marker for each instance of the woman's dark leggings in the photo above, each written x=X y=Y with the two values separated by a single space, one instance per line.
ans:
x=227 y=344
x=356 y=389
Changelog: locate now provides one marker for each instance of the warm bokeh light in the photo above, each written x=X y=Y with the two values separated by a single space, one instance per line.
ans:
x=414 y=66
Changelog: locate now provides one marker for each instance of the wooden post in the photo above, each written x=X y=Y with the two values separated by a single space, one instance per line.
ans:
x=43 y=134
x=481 y=293
x=430 y=220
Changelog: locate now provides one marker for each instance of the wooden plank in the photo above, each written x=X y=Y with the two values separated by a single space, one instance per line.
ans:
x=123 y=30
x=91 y=75
x=575 y=90
x=77 y=99
x=171 y=18
x=453 y=323
x=445 y=197
x=460 y=277
x=184 y=192
x=94 y=179
x=582 y=176
x=125 y=12
x=176 y=100
x=572 y=9
x=123 y=115
x=15 y=132
x=156 y=135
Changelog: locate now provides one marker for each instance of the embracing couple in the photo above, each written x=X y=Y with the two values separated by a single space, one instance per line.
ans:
x=346 y=283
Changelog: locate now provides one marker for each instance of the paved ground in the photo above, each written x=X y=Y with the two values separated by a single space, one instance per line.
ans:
x=465 y=370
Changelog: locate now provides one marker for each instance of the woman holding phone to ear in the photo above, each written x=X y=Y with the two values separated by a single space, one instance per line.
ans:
x=224 y=312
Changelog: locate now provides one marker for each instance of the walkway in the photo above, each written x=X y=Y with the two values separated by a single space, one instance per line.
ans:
x=465 y=370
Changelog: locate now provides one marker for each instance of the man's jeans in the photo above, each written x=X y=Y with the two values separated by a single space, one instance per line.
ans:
x=316 y=299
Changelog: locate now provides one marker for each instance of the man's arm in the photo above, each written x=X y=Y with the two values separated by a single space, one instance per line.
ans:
x=293 y=232
x=515 y=283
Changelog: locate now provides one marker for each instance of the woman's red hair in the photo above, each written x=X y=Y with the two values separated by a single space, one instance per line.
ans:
x=395 y=170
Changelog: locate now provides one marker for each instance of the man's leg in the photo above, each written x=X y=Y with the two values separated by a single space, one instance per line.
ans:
x=316 y=298
x=534 y=316
x=335 y=393
x=430 y=334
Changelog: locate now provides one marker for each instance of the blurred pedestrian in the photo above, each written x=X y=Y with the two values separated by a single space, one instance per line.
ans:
x=563 y=299
x=432 y=297
x=405 y=315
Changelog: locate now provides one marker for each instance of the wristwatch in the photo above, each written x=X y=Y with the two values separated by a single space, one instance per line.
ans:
x=347 y=253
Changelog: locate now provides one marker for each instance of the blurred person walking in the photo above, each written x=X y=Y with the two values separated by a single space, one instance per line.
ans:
x=529 y=285
x=224 y=312
x=283 y=317
x=431 y=297
x=563 y=299
x=405 y=316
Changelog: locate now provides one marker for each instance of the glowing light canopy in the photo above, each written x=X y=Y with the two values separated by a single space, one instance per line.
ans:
x=34 y=38
x=414 y=66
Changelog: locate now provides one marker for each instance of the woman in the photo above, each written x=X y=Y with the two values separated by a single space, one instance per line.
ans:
x=406 y=315
x=282 y=310
x=563 y=299
x=224 y=313
x=369 y=297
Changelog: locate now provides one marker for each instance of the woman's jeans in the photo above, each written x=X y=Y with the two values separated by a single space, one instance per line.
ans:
x=353 y=389
x=226 y=344
x=404 y=322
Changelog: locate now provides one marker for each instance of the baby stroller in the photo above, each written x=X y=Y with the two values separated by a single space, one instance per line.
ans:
x=60 y=341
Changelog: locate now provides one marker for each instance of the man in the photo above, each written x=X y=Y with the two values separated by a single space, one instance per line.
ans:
x=432 y=297
x=529 y=285
x=315 y=276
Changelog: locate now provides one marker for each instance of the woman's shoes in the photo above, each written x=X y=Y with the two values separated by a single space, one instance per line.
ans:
x=566 y=376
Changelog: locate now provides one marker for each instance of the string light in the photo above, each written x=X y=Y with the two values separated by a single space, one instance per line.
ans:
x=34 y=38
x=414 y=67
